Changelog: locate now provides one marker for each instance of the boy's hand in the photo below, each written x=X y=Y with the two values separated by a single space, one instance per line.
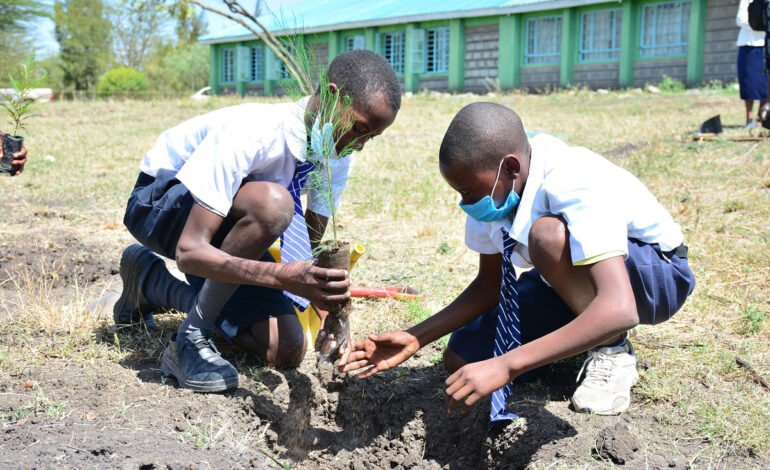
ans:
x=18 y=159
x=474 y=381
x=382 y=352
x=322 y=287
x=326 y=342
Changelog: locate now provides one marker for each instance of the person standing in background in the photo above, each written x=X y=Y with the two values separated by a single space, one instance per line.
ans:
x=752 y=76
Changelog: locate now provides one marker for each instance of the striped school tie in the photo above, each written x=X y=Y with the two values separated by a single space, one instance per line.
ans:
x=295 y=242
x=507 y=333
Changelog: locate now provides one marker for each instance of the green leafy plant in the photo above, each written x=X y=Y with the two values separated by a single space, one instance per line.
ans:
x=19 y=103
x=122 y=81
x=671 y=85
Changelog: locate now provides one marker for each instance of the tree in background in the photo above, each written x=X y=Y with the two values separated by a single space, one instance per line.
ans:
x=83 y=33
x=189 y=25
x=137 y=29
x=16 y=17
x=14 y=13
x=179 y=68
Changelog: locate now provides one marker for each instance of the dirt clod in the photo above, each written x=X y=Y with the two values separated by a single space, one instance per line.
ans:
x=617 y=444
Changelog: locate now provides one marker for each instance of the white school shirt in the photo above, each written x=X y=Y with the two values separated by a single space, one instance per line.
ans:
x=747 y=36
x=603 y=205
x=213 y=154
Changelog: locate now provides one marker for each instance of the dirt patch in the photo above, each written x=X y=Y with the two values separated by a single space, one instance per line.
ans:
x=73 y=445
x=623 y=151
x=616 y=443
x=101 y=401
x=95 y=398
x=62 y=260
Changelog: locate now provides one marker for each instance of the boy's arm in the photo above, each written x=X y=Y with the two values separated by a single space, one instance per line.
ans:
x=612 y=312
x=18 y=159
x=387 y=350
x=316 y=227
x=196 y=255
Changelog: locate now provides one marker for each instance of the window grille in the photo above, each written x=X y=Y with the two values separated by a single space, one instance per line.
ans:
x=600 y=35
x=392 y=47
x=228 y=65
x=543 y=40
x=665 y=29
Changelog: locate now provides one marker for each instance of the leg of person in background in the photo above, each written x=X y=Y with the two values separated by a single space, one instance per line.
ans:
x=750 y=112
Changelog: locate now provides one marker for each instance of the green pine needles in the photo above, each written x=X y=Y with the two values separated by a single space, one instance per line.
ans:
x=297 y=73
x=19 y=103
x=333 y=119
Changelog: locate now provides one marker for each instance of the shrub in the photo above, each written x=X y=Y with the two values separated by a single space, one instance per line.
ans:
x=671 y=85
x=122 y=81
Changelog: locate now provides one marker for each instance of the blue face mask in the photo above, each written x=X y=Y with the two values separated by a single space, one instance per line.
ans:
x=485 y=209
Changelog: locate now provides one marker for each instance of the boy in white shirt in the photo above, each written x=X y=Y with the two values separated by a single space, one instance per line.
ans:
x=606 y=257
x=214 y=193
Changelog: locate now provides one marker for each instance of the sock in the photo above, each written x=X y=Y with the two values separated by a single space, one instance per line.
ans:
x=164 y=290
x=209 y=303
x=616 y=344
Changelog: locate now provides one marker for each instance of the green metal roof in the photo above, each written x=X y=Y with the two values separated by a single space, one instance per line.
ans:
x=313 y=16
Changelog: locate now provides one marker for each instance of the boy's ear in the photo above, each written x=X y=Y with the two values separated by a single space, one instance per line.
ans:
x=512 y=165
x=333 y=88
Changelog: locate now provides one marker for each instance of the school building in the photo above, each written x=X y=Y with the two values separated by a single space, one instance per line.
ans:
x=485 y=45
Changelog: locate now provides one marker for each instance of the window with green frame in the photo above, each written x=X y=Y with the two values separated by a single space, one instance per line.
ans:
x=228 y=65
x=543 y=40
x=276 y=70
x=393 y=48
x=437 y=50
x=600 y=35
x=257 y=63
x=665 y=29
x=356 y=42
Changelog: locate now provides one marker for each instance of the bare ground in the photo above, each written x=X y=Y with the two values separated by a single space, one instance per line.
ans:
x=76 y=392
x=98 y=400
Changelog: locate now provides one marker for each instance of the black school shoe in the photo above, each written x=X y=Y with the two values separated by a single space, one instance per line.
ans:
x=196 y=364
x=132 y=307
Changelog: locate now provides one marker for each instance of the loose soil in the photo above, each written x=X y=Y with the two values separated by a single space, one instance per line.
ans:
x=99 y=400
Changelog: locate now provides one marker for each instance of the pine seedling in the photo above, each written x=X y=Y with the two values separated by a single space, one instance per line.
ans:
x=19 y=103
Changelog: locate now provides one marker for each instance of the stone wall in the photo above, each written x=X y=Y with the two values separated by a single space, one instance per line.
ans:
x=720 y=51
x=540 y=77
x=653 y=71
x=604 y=75
x=481 y=53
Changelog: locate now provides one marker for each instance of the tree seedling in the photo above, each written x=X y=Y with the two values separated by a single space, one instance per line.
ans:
x=18 y=104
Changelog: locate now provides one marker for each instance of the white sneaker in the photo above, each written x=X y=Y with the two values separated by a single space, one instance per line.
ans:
x=610 y=372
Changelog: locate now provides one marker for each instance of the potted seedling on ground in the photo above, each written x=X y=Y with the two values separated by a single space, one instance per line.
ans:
x=18 y=104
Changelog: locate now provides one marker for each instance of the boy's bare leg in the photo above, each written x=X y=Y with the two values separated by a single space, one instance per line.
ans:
x=610 y=371
x=278 y=341
x=261 y=211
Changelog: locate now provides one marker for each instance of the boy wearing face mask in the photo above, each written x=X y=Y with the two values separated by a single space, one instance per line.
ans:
x=605 y=257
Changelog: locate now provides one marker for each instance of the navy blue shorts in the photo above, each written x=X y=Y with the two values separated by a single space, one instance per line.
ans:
x=156 y=214
x=661 y=283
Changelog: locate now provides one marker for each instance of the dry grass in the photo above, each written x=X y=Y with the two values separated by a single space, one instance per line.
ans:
x=399 y=207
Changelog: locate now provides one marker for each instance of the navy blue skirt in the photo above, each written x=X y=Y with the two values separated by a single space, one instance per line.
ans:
x=751 y=73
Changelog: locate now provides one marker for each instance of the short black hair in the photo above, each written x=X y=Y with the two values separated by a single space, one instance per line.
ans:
x=481 y=134
x=361 y=74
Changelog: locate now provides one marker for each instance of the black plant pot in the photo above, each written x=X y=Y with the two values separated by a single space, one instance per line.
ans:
x=11 y=145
